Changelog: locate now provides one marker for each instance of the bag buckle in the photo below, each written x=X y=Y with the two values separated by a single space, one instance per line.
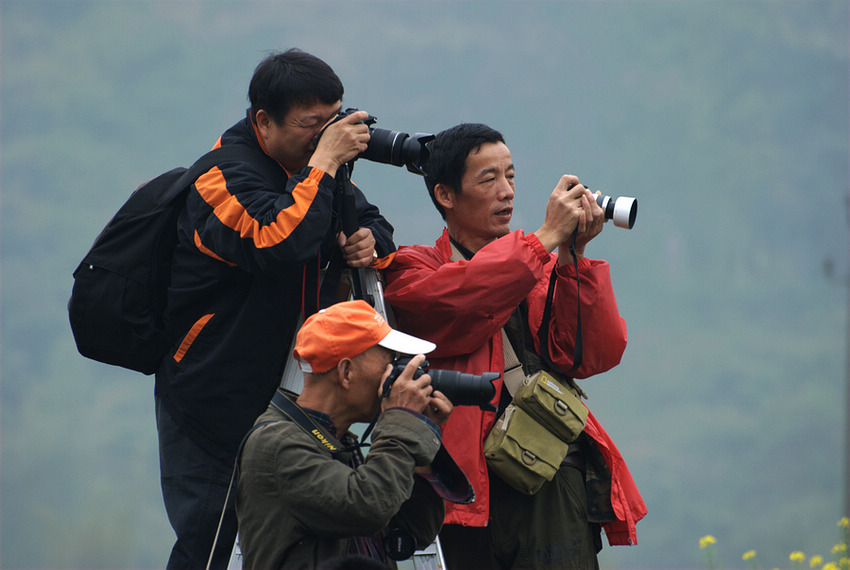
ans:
x=528 y=458
x=561 y=408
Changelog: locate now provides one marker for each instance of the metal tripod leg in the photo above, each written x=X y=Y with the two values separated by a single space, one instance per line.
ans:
x=235 y=557
x=293 y=379
x=430 y=558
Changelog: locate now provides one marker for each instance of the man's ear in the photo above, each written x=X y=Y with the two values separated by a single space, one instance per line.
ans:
x=444 y=196
x=263 y=121
x=343 y=373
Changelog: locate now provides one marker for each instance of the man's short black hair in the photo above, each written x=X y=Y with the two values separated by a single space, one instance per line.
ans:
x=448 y=153
x=290 y=78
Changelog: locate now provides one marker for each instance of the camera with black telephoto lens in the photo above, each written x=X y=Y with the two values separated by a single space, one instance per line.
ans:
x=460 y=388
x=392 y=147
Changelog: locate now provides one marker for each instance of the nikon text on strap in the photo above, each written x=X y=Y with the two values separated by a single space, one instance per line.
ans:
x=284 y=404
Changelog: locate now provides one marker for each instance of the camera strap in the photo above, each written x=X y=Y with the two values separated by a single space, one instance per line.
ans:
x=547 y=310
x=284 y=404
x=512 y=363
x=514 y=372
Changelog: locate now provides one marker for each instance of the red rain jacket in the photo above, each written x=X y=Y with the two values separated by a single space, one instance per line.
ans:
x=461 y=306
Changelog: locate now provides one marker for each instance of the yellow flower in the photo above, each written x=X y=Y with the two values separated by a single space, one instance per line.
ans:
x=840 y=547
x=815 y=561
x=797 y=556
x=749 y=555
x=829 y=566
x=706 y=540
x=844 y=522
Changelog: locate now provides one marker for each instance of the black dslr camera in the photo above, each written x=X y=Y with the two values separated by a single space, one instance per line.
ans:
x=392 y=147
x=460 y=388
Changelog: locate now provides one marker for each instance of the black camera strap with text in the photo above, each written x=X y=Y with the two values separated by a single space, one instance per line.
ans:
x=284 y=404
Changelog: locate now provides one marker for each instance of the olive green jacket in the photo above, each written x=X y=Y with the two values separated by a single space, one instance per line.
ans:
x=297 y=505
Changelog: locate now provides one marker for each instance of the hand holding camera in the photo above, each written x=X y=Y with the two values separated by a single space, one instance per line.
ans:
x=573 y=208
x=342 y=139
x=409 y=388
x=386 y=146
x=570 y=207
x=460 y=388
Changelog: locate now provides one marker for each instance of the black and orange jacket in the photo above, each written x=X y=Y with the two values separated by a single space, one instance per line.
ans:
x=250 y=237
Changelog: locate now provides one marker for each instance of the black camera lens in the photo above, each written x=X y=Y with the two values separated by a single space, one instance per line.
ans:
x=387 y=147
x=466 y=389
x=397 y=148
x=391 y=147
x=460 y=388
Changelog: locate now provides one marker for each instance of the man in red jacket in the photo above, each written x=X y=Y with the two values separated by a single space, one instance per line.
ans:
x=481 y=278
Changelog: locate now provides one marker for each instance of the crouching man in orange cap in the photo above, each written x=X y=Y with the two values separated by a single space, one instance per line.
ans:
x=305 y=492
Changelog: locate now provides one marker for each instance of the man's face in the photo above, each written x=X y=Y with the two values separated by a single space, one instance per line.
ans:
x=481 y=213
x=291 y=141
x=368 y=372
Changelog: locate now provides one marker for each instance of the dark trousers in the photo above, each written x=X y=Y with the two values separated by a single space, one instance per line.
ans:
x=545 y=531
x=194 y=487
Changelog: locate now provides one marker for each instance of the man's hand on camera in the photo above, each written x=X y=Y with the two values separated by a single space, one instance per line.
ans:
x=590 y=225
x=439 y=409
x=359 y=248
x=438 y=412
x=407 y=392
x=340 y=142
x=571 y=208
x=563 y=212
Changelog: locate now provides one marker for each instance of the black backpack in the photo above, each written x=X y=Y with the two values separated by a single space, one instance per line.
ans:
x=117 y=304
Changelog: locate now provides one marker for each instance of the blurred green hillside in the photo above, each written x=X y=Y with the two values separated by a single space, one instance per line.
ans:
x=728 y=120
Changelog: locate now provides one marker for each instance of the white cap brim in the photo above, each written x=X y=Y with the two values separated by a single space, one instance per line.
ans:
x=406 y=344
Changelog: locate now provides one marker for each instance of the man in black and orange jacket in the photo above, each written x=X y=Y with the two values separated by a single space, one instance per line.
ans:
x=252 y=240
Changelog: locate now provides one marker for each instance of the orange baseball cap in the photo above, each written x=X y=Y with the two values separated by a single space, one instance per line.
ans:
x=345 y=330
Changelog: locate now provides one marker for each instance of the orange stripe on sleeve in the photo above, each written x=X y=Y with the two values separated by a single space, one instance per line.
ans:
x=207 y=251
x=191 y=336
x=213 y=189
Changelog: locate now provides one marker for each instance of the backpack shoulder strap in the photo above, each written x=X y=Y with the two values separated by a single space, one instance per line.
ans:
x=217 y=155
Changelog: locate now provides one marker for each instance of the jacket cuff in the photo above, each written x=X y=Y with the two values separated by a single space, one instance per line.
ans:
x=421 y=444
x=569 y=270
x=446 y=478
x=538 y=248
x=382 y=262
x=320 y=176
